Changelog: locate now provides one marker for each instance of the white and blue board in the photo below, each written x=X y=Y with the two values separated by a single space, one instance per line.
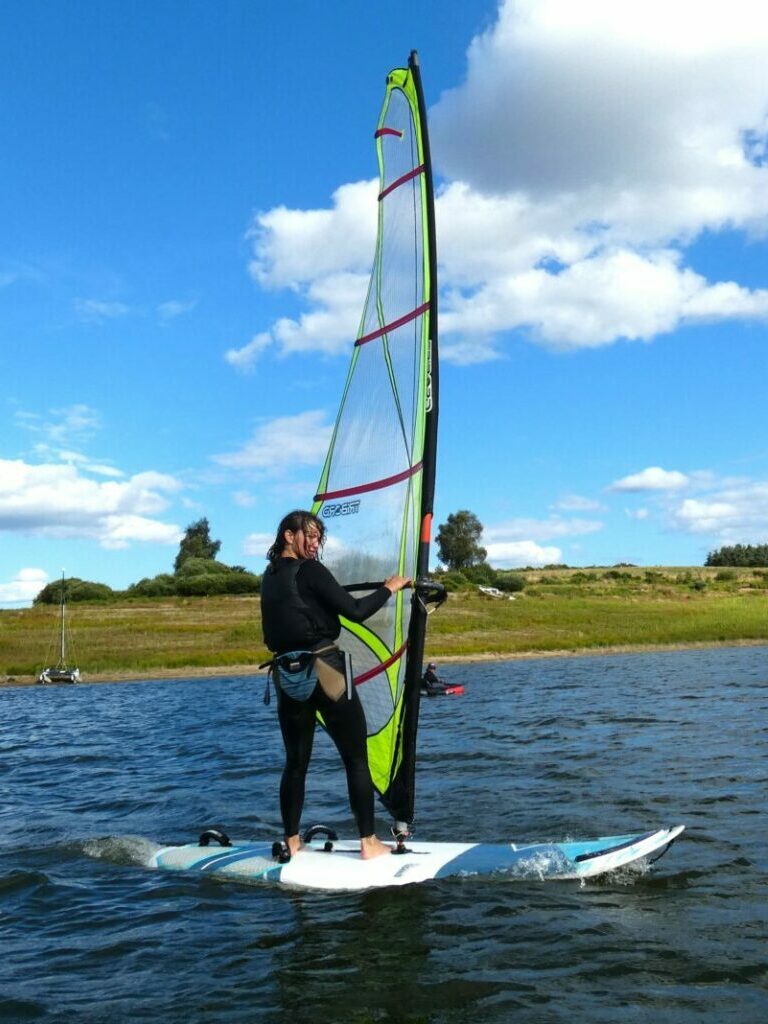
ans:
x=341 y=868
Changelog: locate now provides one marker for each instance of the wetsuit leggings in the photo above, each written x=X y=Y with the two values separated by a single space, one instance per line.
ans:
x=345 y=721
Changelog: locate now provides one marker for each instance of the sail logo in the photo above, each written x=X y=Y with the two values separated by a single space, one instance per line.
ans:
x=344 y=508
x=428 y=395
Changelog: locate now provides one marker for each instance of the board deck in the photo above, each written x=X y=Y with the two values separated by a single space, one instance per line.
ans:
x=343 y=869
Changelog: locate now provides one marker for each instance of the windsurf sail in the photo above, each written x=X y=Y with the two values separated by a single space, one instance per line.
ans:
x=376 y=489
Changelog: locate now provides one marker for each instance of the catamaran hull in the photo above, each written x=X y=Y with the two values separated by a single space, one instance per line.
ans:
x=342 y=869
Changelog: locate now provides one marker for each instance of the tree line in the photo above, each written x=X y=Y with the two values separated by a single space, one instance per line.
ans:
x=739 y=555
x=463 y=563
x=196 y=573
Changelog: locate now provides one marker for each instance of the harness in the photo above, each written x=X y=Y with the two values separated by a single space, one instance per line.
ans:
x=294 y=672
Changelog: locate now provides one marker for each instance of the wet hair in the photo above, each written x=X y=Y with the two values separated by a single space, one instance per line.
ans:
x=294 y=521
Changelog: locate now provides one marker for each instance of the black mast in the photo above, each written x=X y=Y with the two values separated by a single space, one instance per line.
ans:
x=402 y=791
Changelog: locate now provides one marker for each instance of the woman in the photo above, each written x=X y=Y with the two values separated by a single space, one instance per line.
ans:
x=300 y=606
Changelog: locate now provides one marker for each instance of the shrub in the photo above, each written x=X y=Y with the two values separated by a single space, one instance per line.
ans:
x=482 y=574
x=75 y=590
x=453 y=581
x=243 y=583
x=202 y=585
x=726 y=576
x=510 y=582
x=202 y=567
x=163 y=585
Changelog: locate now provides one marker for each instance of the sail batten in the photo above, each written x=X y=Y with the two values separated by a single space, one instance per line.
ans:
x=375 y=491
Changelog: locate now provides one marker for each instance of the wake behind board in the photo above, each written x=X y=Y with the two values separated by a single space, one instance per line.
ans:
x=341 y=868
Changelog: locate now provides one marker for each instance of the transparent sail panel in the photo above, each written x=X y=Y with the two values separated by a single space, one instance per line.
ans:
x=369 y=494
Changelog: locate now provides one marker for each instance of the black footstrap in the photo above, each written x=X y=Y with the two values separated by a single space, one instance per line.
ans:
x=215 y=835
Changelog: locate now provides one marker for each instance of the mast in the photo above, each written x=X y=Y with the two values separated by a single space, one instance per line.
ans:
x=402 y=798
x=61 y=615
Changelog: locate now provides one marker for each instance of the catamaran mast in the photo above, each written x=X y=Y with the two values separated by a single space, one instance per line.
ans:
x=61 y=615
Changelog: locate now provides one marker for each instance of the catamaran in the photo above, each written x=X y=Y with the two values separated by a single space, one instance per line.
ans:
x=60 y=672
x=375 y=493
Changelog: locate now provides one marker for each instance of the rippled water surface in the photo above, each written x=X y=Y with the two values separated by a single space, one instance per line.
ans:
x=92 y=776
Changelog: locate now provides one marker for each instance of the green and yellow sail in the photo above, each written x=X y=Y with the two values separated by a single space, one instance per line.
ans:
x=376 y=489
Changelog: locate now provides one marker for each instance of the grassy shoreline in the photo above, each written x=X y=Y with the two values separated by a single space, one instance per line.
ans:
x=561 y=612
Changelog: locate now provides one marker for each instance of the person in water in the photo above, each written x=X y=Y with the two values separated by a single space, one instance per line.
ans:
x=300 y=606
x=432 y=682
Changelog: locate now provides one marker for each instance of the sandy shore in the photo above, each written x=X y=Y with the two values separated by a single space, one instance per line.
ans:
x=227 y=671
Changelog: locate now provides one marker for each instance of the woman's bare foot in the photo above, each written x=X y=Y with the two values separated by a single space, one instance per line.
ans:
x=294 y=844
x=371 y=847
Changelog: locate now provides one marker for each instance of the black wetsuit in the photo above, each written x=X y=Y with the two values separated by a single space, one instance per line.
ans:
x=432 y=684
x=300 y=611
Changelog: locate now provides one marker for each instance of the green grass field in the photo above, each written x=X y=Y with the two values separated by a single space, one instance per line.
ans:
x=559 y=610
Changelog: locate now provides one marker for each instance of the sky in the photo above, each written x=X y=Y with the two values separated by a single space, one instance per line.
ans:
x=187 y=222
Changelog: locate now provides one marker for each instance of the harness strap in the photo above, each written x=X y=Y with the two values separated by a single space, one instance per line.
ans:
x=273 y=665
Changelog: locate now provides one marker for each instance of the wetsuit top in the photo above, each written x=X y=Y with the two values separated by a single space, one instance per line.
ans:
x=301 y=603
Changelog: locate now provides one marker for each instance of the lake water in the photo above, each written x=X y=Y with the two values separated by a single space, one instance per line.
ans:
x=542 y=749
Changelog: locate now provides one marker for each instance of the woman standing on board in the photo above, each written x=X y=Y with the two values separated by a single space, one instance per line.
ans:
x=300 y=607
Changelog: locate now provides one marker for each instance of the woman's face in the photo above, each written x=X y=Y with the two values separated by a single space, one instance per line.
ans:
x=304 y=543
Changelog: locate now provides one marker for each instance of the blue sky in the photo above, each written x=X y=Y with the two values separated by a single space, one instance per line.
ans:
x=187 y=227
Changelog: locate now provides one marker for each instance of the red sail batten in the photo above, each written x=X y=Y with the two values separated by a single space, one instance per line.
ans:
x=394 y=325
x=375 y=485
x=387 y=131
x=365 y=676
x=401 y=181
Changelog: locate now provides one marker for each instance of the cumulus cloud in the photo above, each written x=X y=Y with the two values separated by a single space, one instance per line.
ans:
x=728 y=514
x=281 y=445
x=588 y=145
x=246 y=357
x=519 y=542
x=520 y=553
x=654 y=478
x=23 y=587
x=295 y=247
x=55 y=500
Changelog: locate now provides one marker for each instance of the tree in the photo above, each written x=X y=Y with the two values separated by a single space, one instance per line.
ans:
x=196 y=543
x=457 y=541
x=749 y=555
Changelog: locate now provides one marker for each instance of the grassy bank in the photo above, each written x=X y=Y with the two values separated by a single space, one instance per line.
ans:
x=560 y=610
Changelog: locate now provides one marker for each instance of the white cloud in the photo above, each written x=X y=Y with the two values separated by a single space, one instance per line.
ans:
x=520 y=553
x=69 y=425
x=613 y=98
x=244 y=499
x=297 y=247
x=518 y=542
x=279 y=446
x=577 y=503
x=23 y=587
x=588 y=146
x=540 y=529
x=654 y=478
x=174 y=308
x=728 y=514
x=639 y=513
x=54 y=500
x=246 y=357
x=97 y=311
x=256 y=545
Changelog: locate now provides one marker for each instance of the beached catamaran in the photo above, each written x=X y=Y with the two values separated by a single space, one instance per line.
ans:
x=60 y=672
x=375 y=493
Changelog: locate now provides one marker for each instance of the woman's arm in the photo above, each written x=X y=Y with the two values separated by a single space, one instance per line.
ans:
x=333 y=596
